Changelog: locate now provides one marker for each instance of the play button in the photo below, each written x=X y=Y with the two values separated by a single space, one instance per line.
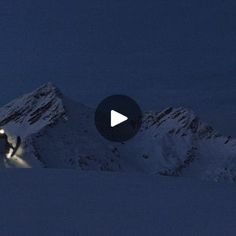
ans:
x=118 y=118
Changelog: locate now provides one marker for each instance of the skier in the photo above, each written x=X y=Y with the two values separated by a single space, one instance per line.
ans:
x=5 y=147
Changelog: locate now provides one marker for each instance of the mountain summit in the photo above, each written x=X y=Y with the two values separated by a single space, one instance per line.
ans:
x=32 y=112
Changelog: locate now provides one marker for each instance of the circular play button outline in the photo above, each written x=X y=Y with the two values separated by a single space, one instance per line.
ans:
x=118 y=118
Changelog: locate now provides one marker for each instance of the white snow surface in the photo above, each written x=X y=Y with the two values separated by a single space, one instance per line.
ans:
x=60 y=133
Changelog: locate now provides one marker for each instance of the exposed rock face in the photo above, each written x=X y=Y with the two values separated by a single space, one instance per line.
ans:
x=28 y=115
x=33 y=111
x=176 y=142
x=179 y=121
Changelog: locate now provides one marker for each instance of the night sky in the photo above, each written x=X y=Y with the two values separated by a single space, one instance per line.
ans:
x=160 y=52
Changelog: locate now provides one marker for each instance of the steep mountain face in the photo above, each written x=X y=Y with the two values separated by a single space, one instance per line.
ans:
x=28 y=115
x=60 y=133
x=56 y=133
x=175 y=142
x=33 y=111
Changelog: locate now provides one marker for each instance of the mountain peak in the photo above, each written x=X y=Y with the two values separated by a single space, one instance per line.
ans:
x=33 y=111
x=178 y=121
x=48 y=88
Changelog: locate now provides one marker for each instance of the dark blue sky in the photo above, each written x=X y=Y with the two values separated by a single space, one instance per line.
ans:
x=161 y=52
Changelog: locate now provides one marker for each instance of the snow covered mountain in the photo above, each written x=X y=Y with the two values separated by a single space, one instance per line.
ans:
x=56 y=132
x=60 y=133
x=175 y=142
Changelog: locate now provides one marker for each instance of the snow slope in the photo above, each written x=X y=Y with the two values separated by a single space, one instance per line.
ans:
x=67 y=202
x=76 y=143
x=60 y=133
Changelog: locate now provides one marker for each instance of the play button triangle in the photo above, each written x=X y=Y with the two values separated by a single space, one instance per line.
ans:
x=117 y=118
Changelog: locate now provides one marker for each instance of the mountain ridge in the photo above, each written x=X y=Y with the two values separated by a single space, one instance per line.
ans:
x=60 y=133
